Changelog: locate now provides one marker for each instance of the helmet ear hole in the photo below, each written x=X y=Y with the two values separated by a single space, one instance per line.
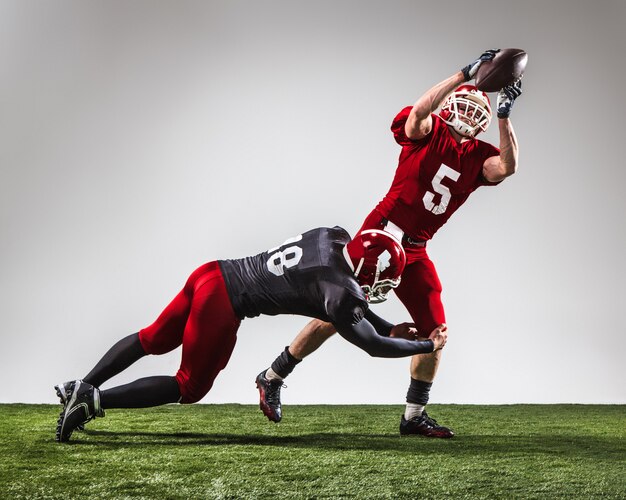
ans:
x=384 y=260
x=377 y=260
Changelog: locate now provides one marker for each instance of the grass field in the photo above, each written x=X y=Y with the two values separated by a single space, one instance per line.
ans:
x=232 y=451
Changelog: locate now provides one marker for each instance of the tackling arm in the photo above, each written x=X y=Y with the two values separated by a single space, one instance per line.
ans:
x=364 y=336
x=386 y=329
x=382 y=326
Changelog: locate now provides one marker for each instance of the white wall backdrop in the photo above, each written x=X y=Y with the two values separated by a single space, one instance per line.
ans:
x=140 y=139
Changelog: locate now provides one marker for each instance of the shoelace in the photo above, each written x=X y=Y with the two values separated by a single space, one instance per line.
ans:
x=272 y=395
x=429 y=420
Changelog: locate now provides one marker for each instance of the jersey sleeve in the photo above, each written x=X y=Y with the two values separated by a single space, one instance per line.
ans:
x=342 y=307
x=397 y=127
x=399 y=133
x=382 y=326
x=346 y=313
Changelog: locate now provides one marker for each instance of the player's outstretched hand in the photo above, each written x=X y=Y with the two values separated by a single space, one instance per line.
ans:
x=404 y=331
x=469 y=71
x=439 y=336
x=506 y=98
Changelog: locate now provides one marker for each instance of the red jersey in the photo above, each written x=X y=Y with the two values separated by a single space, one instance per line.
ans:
x=435 y=176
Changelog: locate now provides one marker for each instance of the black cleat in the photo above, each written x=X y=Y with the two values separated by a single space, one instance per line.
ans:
x=269 y=391
x=424 y=426
x=82 y=405
x=64 y=392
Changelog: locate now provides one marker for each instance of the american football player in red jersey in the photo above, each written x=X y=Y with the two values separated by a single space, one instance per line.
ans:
x=441 y=163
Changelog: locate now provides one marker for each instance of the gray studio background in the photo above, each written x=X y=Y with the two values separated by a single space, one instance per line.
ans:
x=141 y=139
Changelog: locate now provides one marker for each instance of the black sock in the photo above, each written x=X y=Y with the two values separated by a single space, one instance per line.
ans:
x=142 y=393
x=284 y=364
x=418 y=392
x=118 y=358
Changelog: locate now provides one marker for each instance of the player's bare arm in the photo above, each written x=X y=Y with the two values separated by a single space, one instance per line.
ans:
x=419 y=124
x=497 y=168
x=500 y=167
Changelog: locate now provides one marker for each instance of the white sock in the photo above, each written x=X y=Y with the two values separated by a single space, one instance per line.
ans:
x=272 y=375
x=413 y=410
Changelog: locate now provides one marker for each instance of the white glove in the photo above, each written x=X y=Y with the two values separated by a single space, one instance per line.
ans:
x=506 y=98
x=470 y=70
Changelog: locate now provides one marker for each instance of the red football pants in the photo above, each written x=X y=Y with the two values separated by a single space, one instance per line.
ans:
x=201 y=318
x=420 y=288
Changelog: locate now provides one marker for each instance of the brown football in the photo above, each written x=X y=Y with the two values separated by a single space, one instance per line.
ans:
x=502 y=70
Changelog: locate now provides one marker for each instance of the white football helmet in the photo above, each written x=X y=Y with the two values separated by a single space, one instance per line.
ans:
x=467 y=110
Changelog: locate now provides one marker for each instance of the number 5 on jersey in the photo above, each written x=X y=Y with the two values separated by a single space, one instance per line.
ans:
x=443 y=172
x=286 y=258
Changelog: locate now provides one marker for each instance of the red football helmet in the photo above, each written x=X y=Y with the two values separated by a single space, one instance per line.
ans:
x=467 y=110
x=377 y=259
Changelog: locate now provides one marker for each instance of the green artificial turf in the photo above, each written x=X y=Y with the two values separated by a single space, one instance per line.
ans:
x=232 y=451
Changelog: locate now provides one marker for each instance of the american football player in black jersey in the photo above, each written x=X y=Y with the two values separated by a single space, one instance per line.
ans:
x=320 y=273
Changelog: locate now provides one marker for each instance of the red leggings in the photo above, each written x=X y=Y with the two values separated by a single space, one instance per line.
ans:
x=420 y=288
x=201 y=318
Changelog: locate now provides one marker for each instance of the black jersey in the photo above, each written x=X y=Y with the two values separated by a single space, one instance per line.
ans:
x=307 y=275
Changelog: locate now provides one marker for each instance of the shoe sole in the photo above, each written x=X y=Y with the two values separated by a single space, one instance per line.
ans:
x=62 y=395
x=409 y=434
x=60 y=437
x=61 y=421
x=265 y=408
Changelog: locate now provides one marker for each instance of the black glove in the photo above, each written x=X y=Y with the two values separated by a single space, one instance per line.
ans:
x=470 y=70
x=506 y=98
